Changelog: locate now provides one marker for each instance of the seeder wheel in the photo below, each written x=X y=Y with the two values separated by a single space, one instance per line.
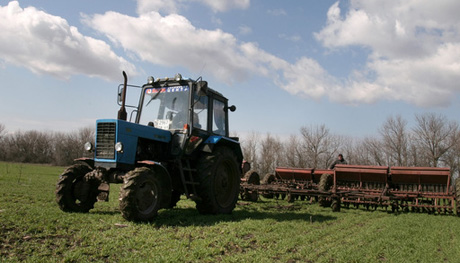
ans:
x=267 y=180
x=457 y=195
x=335 y=205
x=252 y=178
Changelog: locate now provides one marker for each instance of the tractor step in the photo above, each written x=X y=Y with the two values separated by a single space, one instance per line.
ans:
x=186 y=173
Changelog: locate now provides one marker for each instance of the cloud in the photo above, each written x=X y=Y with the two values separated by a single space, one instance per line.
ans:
x=173 y=6
x=173 y=41
x=293 y=38
x=245 y=30
x=277 y=12
x=413 y=53
x=46 y=44
x=414 y=49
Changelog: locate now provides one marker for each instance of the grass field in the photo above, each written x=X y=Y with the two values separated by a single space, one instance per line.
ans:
x=33 y=229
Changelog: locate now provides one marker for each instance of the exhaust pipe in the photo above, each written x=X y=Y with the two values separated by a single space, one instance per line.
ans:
x=122 y=114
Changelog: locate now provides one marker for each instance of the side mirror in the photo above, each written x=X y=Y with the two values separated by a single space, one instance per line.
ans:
x=120 y=95
x=202 y=88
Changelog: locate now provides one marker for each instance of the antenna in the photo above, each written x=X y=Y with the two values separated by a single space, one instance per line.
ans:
x=202 y=68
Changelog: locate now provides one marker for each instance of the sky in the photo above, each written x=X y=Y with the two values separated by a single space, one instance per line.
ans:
x=284 y=64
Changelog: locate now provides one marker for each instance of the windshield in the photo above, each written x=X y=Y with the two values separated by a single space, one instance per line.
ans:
x=166 y=108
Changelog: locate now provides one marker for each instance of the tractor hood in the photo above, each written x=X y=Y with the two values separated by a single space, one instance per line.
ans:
x=117 y=140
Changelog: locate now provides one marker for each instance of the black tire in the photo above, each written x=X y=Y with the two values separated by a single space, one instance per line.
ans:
x=74 y=191
x=335 y=205
x=291 y=197
x=268 y=179
x=251 y=177
x=143 y=193
x=219 y=177
x=325 y=185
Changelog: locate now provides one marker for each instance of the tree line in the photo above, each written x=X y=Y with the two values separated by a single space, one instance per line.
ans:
x=56 y=148
x=434 y=141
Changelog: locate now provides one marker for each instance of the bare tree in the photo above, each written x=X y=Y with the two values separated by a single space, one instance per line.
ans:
x=249 y=148
x=293 y=156
x=452 y=160
x=2 y=130
x=319 y=145
x=3 y=149
x=346 y=146
x=69 y=146
x=30 y=147
x=371 y=152
x=270 y=154
x=336 y=144
x=395 y=140
x=436 y=136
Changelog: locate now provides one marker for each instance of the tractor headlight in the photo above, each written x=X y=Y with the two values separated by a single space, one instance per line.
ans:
x=119 y=147
x=178 y=77
x=88 y=147
x=150 y=80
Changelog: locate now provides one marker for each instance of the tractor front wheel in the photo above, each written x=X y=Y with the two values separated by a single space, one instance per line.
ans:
x=219 y=178
x=74 y=191
x=143 y=193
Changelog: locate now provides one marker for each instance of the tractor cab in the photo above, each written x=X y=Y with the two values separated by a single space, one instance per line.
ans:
x=189 y=109
x=183 y=105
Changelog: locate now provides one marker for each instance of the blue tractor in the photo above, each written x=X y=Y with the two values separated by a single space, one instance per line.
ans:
x=175 y=142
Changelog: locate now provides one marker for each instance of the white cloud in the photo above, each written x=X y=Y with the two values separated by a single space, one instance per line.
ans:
x=46 y=44
x=172 y=6
x=225 y=5
x=413 y=55
x=245 y=30
x=173 y=41
x=293 y=38
x=277 y=12
x=168 y=6
x=414 y=49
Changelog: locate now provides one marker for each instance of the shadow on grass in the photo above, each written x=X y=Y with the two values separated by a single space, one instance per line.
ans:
x=187 y=215
x=191 y=216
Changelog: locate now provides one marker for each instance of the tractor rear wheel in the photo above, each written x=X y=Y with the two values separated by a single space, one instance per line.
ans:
x=253 y=178
x=219 y=178
x=74 y=191
x=143 y=193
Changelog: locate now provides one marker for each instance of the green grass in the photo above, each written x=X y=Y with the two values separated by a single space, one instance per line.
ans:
x=33 y=229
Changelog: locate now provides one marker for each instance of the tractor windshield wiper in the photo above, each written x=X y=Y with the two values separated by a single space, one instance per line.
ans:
x=153 y=97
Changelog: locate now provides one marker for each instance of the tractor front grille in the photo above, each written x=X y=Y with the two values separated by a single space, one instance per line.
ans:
x=105 y=140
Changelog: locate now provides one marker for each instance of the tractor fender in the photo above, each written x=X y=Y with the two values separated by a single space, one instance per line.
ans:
x=157 y=167
x=215 y=140
x=87 y=161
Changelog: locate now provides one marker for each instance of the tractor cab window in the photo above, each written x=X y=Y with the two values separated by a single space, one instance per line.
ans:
x=200 y=112
x=165 y=108
x=218 y=126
